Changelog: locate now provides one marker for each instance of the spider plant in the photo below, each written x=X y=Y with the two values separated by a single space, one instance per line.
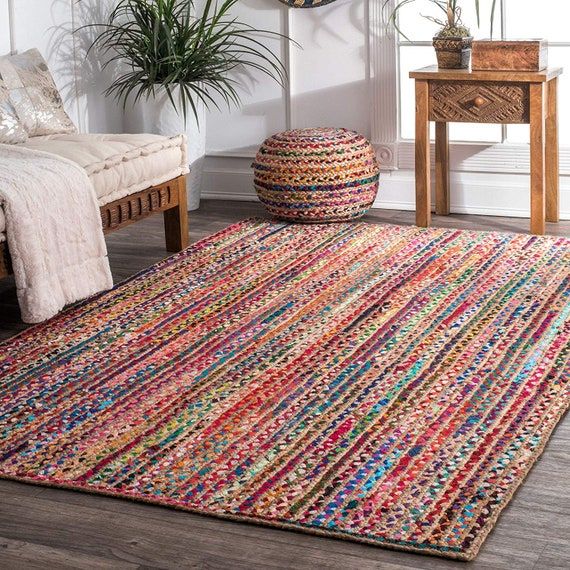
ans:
x=166 y=44
x=450 y=17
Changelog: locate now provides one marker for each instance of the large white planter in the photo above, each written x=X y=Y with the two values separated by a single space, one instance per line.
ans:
x=158 y=116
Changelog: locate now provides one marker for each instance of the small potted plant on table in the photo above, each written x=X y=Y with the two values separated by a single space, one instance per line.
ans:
x=454 y=40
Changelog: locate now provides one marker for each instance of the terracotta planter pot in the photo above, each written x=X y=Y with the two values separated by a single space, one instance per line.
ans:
x=453 y=53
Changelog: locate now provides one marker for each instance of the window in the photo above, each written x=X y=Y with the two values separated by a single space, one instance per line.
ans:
x=514 y=19
x=523 y=20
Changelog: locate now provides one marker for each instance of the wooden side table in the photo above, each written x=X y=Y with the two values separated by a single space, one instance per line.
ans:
x=504 y=97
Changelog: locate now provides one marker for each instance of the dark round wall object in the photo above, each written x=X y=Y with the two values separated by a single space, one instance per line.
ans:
x=306 y=3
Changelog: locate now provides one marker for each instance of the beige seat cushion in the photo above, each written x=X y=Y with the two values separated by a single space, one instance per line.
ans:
x=119 y=165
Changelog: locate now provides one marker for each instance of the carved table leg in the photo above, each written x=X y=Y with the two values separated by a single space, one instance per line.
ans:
x=552 y=155
x=423 y=206
x=442 y=188
x=537 y=158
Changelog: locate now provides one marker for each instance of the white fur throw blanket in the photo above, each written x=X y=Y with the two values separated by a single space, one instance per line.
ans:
x=53 y=230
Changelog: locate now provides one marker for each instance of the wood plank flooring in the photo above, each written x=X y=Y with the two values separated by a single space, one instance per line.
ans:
x=51 y=528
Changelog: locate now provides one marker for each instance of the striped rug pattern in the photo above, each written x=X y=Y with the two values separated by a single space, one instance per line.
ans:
x=386 y=384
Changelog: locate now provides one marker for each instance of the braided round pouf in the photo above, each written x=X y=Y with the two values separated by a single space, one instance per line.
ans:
x=316 y=175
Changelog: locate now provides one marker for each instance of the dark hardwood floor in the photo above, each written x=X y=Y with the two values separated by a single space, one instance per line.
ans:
x=50 y=528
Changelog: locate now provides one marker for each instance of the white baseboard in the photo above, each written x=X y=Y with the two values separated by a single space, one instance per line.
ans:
x=489 y=194
x=237 y=197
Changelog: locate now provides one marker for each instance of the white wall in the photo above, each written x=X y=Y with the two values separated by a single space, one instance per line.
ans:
x=4 y=27
x=345 y=76
x=329 y=76
x=47 y=25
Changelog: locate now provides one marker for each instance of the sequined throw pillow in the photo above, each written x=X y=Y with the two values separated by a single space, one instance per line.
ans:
x=34 y=95
x=11 y=130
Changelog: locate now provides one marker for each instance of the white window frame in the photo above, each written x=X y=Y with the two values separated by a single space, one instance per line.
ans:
x=396 y=153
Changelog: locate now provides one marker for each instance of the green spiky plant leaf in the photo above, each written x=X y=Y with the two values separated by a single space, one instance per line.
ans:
x=449 y=22
x=166 y=44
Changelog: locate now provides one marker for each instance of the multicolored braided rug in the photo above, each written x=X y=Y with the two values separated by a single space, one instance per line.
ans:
x=391 y=385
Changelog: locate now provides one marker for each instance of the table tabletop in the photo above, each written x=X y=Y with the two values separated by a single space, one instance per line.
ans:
x=432 y=72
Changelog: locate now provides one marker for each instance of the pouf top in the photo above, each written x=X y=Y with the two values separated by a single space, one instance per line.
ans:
x=316 y=149
x=326 y=135
x=315 y=133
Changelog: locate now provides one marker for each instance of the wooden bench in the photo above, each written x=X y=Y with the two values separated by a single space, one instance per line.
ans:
x=168 y=197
